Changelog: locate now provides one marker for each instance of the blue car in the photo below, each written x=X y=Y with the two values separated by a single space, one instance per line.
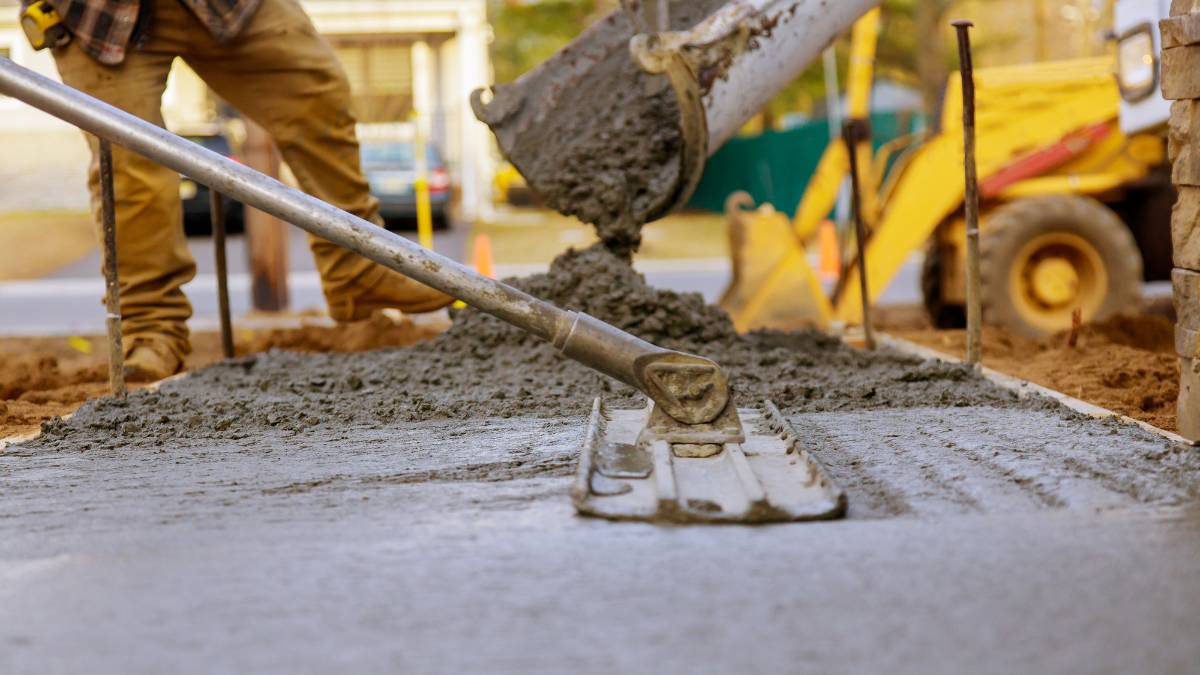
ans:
x=392 y=173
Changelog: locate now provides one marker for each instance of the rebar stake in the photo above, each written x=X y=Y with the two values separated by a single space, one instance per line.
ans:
x=112 y=290
x=971 y=194
x=854 y=132
x=216 y=207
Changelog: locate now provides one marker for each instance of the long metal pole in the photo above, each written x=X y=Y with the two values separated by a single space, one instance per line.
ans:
x=853 y=132
x=971 y=195
x=216 y=207
x=689 y=388
x=112 y=285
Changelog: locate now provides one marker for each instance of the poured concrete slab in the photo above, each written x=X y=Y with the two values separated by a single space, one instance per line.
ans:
x=979 y=539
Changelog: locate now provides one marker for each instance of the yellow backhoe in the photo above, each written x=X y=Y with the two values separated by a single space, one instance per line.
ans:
x=1070 y=206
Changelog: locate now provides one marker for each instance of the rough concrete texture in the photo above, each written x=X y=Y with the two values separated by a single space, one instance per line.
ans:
x=1189 y=398
x=408 y=510
x=1180 y=31
x=609 y=151
x=483 y=366
x=1181 y=73
x=1185 y=228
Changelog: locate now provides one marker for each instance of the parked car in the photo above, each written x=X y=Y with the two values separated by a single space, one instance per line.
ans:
x=197 y=221
x=392 y=173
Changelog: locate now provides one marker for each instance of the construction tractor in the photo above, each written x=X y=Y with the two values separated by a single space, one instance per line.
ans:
x=1074 y=187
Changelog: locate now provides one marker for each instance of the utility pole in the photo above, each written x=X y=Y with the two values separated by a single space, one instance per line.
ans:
x=931 y=68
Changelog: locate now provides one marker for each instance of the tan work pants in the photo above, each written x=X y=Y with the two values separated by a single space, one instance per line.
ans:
x=278 y=72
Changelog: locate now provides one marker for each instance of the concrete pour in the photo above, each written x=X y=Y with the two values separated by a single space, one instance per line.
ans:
x=484 y=367
x=408 y=510
x=608 y=149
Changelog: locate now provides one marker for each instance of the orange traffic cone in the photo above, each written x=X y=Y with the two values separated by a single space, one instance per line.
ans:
x=481 y=256
x=830 y=265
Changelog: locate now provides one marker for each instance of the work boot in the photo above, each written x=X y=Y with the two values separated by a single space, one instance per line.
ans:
x=147 y=362
x=392 y=291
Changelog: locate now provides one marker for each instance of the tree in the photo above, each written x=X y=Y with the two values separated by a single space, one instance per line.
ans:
x=930 y=50
x=527 y=33
x=912 y=45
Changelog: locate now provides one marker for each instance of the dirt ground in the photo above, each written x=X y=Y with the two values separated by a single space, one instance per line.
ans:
x=1126 y=364
x=47 y=377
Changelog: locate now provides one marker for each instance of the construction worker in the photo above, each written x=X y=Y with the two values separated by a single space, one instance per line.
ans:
x=266 y=58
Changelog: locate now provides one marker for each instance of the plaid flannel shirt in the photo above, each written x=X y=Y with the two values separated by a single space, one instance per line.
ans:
x=104 y=27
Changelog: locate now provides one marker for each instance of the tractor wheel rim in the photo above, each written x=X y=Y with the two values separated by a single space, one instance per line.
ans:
x=1054 y=274
x=1055 y=282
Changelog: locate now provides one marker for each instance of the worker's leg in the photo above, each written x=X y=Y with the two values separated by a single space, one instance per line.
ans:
x=282 y=74
x=153 y=259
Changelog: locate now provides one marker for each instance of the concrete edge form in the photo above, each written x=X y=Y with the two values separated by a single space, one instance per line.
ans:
x=1025 y=387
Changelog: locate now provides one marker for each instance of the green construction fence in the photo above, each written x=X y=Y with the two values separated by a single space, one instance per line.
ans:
x=775 y=166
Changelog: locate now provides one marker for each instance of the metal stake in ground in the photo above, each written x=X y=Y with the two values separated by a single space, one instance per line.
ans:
x=971 y=195
x=854 y=132
x=112 y=290
x=216 y=207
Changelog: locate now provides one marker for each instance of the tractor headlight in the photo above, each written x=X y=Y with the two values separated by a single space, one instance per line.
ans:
x=1137 y=63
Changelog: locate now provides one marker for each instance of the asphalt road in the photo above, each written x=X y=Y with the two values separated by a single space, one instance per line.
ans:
x=69 y=301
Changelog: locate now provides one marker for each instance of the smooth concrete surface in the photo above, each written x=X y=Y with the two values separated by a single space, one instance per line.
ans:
x=451 y=546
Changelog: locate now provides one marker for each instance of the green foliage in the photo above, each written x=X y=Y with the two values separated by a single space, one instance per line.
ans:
x=896 y=58
x=527 y=33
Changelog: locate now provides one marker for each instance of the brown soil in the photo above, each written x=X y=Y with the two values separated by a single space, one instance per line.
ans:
x=1126 y=364
x=44 y=377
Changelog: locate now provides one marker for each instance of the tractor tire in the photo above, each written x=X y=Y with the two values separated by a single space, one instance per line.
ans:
x=1041 y=258
x=943 y=315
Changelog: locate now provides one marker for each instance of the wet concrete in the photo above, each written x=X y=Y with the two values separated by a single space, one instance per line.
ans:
x=409 y=510
x=484 y=367
x=973 y=544
x=603 y=145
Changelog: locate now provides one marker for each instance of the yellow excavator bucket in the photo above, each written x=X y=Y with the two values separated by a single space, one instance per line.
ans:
x=773 y=285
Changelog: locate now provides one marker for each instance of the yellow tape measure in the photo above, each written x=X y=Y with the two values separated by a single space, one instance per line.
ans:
x=43 y=26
